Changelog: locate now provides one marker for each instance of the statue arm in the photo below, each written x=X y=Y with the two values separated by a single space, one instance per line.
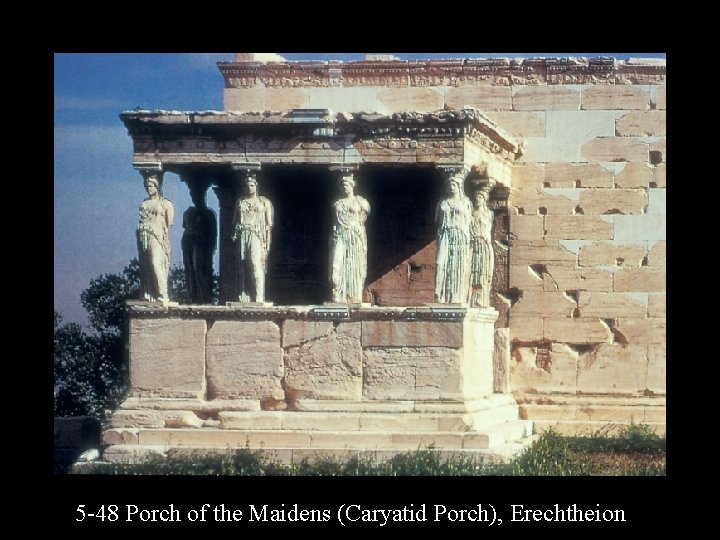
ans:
x=169 y=212
x=269 y=217
x=213 y=231
x=235 y=222
x=364 y=204
x=364 y=208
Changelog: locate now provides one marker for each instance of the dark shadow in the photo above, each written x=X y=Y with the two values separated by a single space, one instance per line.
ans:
x=401 y=222
x=297 y=263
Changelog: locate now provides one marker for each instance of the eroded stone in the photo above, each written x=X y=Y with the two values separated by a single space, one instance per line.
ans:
x=244 y=360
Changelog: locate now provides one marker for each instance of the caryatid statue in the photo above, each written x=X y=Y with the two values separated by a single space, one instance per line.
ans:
x=252 y=233
x=199 y=242
x=483 y=256
x=452 y=270
x=348 y=244
x=156 y=216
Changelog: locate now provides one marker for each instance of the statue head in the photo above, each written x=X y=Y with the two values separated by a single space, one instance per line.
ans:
x=197 y=194
x=251 y=183
x=454 y=184
x=347 y=184
x=152 y=184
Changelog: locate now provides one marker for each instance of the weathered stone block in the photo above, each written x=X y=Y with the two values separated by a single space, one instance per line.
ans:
x=659 y=176
x=325 y=406
x=554 y=372
x=527 y=227
x=570 y=175
x=528 y=176
x=578 y=227
x=611 y=414
x=162 y=403
x=603 y=96
x=544 y=304
x=150 y=418
x=216 y=405
x=641 y=123
x=635 y=175
x=244 y=99
x=523 y=277
x=568 y=330
x=613 y=201
x=410 y=99
x=295 y=333
x=329 y=367
x=250 y=420
x=411 y=373
x=546 y=98
x=610 y=305
x=402 y=422
x=644 y=278
x=552 y=150
x=339 y=99
x=526 y=328
x=562 y=278
x=659 y=146
x=167 y=357
x=657 y=254
x=612 y=253
x=544 y=252
x=580 y=126
x=244 y=360
x=657 y=305
x=660 y=97
x=531 y=201
x=518 y=123
x=488 y=98
x=412 y=334
x=326 y=421
x=642 y=330
x=657 y=368
x=120 y=436
x=615 y=149
x=501 y=361
x=613 y=369
x=284 y=99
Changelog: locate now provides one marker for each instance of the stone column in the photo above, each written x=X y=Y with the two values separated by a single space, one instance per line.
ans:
x=156 y=216
x=453 y=254
x=228 y=193
x=226 y=202
x=199 y=240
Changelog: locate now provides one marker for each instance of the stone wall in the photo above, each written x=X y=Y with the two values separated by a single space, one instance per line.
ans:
x=277 y=357
x=586 y=211
x=587 y=260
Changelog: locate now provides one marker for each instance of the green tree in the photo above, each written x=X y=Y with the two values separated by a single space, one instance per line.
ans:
x=77 y=371
x=91 y=374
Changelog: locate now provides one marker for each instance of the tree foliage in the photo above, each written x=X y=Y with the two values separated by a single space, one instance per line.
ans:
x=91 y=368
x=88 y=371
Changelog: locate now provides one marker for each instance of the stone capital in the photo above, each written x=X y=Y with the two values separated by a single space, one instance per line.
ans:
x=149 y=168
x=449 y=170
x=246 y=166
x=245 y=169
x=344 y=170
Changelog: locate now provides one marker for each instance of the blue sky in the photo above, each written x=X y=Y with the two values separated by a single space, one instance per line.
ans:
x=97 y=191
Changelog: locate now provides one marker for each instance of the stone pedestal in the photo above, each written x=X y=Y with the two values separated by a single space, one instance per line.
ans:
x=297 y=379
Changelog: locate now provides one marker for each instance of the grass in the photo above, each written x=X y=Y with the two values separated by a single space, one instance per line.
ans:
x=634 y=451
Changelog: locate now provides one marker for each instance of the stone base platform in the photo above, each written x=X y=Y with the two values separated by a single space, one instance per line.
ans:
x=586 y=415
x=488 y=427
x=315 y=379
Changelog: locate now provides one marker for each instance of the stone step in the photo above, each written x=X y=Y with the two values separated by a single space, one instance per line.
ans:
x=341 y=421
x=133 y=453
x=491 y=437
